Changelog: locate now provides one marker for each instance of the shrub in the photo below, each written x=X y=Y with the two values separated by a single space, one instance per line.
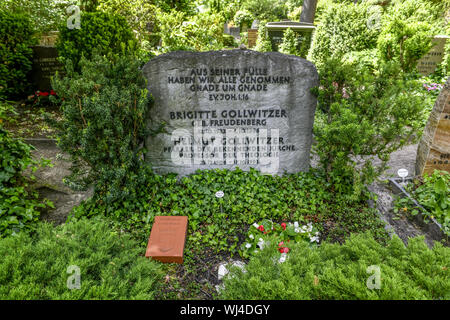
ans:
x=16 y=37
x=363 y=117
x=201 y=32
x=106 y=33
x=405 y=43
x=270 y=10
x=263 y=43
x=343 y=272
x=111 y=264
x=103 y=127
x=343 y=29
x=243 y=17
x=18 y=206
x=290 y=42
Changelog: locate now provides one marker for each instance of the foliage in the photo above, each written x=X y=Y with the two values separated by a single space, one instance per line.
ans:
x=219 y=223
x=405 y=43
x=45 y=15
x=270 y=10
x=263 y=43
x=140 y=14
x=363 y=116
x=285 y=234
x=111 y=264
x=290 y=42
x=433 y=193
x=18 y=206
x=16 y=37
x=243 y=17
x=102 y=32
x=345 y=272
x=103 y=126
x=201 y=32
x=343 y=29
x=229 y=41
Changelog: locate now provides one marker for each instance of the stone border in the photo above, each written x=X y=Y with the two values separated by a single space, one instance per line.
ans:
x=432 y=228
x=37 y=142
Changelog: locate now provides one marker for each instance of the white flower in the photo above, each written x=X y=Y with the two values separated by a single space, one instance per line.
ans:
x=256 y=225
x=314 y=239
x=251 y=236
x=248 y=245
x=296 y=224
x=261 y=245
x=282 y=258
x=297 y=230
x=261 y=240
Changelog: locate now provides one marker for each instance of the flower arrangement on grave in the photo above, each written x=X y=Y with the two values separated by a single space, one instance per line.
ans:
x=285 y=234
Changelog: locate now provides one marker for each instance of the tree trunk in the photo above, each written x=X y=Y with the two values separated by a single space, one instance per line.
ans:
x=308 y=11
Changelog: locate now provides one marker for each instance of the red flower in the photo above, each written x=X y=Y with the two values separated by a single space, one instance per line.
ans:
x=44 y=94
x=284 y=250
x=281 y=243
x=53 y=93
x=283 y=225
x=261 y=228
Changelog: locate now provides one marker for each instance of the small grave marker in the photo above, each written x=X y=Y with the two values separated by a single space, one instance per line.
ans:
x=167 y=239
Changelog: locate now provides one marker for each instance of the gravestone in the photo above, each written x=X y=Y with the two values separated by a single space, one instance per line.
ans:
x=235 y=32
x=433 y=151
x=427 y=64
x=228 y=109
x=45 y=65
x=167 y=239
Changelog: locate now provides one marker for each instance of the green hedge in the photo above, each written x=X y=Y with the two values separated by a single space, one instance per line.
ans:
x=343 y=29
x=16 y=37
x=111 y=264
x=99 y=31
x=334 y=271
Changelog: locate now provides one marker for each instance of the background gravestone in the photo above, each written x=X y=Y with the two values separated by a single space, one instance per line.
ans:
x=45 y=65
x=303 y=30
x=433 y=151
x=234 y=89
x=427 y=64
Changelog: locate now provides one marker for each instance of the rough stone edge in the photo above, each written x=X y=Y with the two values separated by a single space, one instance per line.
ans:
x=433 y=228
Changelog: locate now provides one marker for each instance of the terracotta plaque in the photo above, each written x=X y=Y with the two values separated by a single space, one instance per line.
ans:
x=434 y=149
x=167 y=239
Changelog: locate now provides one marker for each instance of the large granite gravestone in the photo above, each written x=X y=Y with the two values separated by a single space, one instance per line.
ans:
x=433 y=151
x=45 y=65
x=227 y=109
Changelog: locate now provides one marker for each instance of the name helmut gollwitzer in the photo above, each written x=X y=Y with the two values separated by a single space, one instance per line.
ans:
x=227 y=109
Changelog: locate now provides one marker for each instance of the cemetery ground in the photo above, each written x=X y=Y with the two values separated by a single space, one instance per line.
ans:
x=214 y=239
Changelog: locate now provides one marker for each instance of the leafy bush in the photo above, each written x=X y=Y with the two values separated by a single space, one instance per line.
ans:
x=243 y=17
x=271 y=10
x=343 y=29
x=103 y=127
x=405 y=43
x=18 y=206
x=433 y=193
x=363 y=116
x=111 y=264
x=334 y=271
x=220 y=224
x=263 y=43
x=290 y=42
x=46 y=15
x=103 y=32
x=16 y=37
x=201 y=32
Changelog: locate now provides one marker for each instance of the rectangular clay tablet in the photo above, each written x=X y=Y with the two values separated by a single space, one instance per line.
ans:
x=167 y=239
